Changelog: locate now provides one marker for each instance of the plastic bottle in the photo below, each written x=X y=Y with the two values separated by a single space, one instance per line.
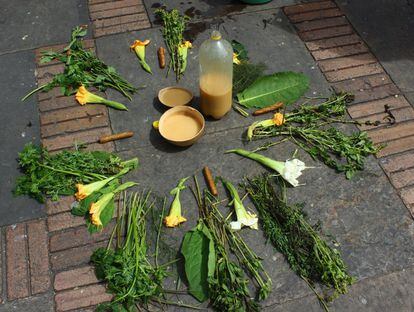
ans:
x=216 y=76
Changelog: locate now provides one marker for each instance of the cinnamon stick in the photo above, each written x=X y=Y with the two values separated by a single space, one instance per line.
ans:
x=210 y=181
x=268 y=109
x=117 y=136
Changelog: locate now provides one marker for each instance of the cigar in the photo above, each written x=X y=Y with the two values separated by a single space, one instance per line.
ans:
x=210 y=181
x=114 y=137
x=268 y=109
x=161 y=57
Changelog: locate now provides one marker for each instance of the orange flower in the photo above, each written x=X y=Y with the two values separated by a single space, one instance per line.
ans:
x=278 y=119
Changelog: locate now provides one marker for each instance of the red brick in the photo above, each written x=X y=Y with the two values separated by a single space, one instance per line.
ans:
x=113 y=5
x=52 y=94
x=326 y=33
x=392 y=133
x=17 y=262
x=49 y=70
x=70 y=113
x=39 y=256
x=314 y=15
x=402 y=178
x=63 y=220
x=333 y=42
x=75 y=125
x=381 y=92
x=117 y=12
x=398 y=162
x=62 y=260
x=107 y=147
x=400 y=115
x=353 y=72
x=142 y=24
x=360 y=83
x=98 y=1
x=54 y=102
x=306 y=7
x=75 y=237
x=81 y=297
x=67 y=141
x=74 y=278
x=407 y=195
x=397 y=146
x=62 y=205
x=378 y=106
x=117 y=20
x=320 y=24
x=340 y=51
x=347 y=61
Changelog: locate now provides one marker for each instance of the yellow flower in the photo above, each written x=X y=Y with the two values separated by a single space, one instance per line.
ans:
x=183 y=52
x=278 y=119
x=83 y=96
x=86 y=190
x=96 y=209
x=173 y=221
x=139 y=48
x=175 y=217
x=236 y=59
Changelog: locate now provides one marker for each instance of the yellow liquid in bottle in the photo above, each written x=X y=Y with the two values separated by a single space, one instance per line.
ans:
x=215 y=94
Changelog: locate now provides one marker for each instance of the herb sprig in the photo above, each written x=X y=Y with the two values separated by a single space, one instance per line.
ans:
x=82 y=67
x=287 y=228
x=174 y=25
x=54 y=175
x=311 y=127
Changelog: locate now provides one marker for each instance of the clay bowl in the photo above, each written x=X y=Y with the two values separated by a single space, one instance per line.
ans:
x=175 y=96
x=181 y=125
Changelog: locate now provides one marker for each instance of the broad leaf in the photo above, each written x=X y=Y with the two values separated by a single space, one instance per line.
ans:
x=211 y=263
x=286 y=87
x=198 y=263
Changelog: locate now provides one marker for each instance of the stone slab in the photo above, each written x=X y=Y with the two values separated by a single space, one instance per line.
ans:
x=20 y=125
x=286 y=50
x=204 y=9
x=42 y=303
x=31 y=24
x=387 y=27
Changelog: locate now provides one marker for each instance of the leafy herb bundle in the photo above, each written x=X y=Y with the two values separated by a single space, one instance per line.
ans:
x=311 y=127
x=211 y=270
x=127 y=270
x=174 y=25
x=82 y=67
x=54 y=175
x=245 y=73
x=287 y=229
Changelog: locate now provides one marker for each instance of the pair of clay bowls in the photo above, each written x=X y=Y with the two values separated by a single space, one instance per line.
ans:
x=180 y=125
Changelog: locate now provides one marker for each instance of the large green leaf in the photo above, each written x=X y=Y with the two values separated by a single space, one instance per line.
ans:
x=286 y=87
x=199 y=264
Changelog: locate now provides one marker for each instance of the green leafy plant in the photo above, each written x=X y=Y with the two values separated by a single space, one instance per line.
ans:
x=311 y=127
x=286 y=87
x=174 y=25
x=126 y=269
x=200 y=260
x=57 y=175
x=227 y=286
x=82 y=67
x=287 y=228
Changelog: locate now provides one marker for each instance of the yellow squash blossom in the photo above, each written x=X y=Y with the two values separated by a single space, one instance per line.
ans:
x=83 y=96
x=236 y=59
x=139 y=48
x=183 y=52
x=84 y=191
x=277 y=120
x=96 y=208
x=175 y=217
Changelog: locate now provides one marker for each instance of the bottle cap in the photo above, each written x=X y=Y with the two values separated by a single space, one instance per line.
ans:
x=215 y=35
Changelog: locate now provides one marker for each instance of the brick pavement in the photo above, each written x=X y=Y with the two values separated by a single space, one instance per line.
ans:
x=348 y=65
x=52 y=254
